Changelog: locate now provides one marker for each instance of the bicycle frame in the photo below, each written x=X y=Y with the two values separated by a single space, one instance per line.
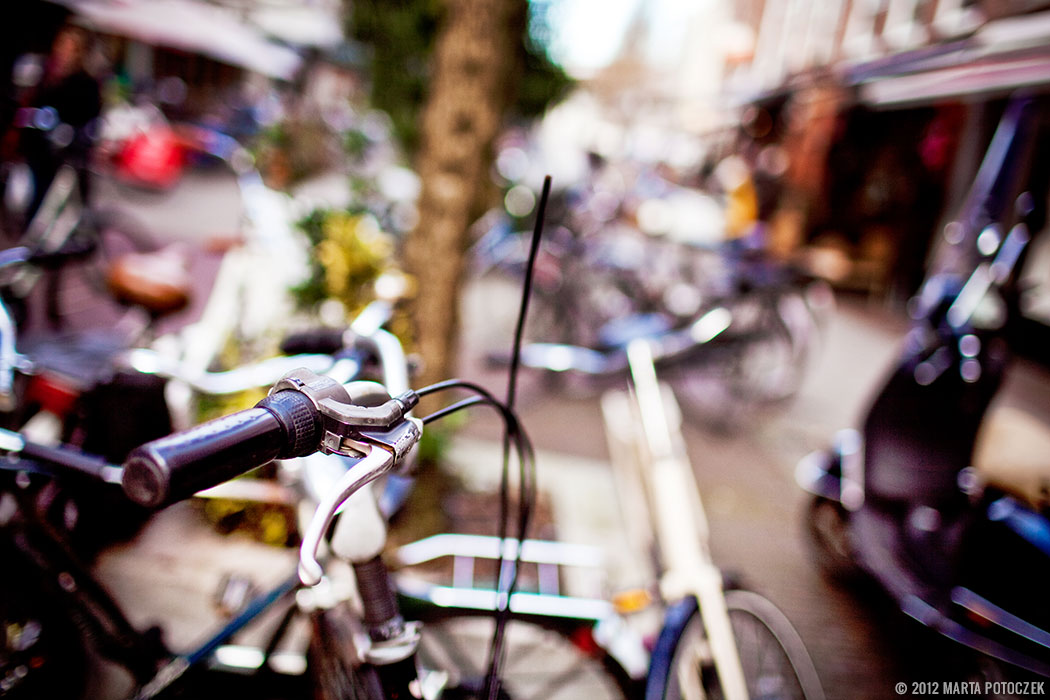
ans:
x=646 y=433
x=97 y=611
x=94 y=608
x=46 y=549
x=58 y=217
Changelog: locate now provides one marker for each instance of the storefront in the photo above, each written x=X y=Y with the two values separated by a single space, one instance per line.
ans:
x=894 y=162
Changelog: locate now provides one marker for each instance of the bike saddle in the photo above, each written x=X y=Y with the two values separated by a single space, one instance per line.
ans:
x=1013 y=454
x=158 y=282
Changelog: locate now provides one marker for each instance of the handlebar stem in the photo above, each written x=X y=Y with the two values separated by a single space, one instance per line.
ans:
x=371 y=320
x=392 y=359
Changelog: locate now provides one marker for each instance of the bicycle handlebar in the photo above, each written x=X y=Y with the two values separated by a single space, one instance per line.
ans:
x=61 y=461
x=304 y=413
x=336 y=352
x=327 y=341
x=284 y=424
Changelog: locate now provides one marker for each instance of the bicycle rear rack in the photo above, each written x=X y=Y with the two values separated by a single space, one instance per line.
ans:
x=464 y=592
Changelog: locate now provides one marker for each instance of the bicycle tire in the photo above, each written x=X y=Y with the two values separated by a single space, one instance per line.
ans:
x=540 y=662
x=768 y=365
x=775 y=661
x=333 y=674
x=723 y=382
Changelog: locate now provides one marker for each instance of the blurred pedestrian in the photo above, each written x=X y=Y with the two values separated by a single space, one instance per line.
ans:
x=58 y=117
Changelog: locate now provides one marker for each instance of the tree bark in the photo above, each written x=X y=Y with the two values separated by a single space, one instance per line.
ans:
x=472 y=60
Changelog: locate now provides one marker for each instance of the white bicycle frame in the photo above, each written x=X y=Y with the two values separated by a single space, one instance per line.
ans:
x=663 y=505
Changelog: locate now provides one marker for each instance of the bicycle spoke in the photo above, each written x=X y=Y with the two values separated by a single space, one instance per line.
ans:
x=540 y=663
x=456 y=656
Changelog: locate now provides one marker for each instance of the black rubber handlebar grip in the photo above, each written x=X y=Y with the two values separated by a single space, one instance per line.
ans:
x=161 y=472
x=322 y=341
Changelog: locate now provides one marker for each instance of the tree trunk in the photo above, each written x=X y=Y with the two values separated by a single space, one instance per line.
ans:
x=472 y=59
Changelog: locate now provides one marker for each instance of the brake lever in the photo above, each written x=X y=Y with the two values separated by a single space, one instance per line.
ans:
x=382 y=436
x=381 y=451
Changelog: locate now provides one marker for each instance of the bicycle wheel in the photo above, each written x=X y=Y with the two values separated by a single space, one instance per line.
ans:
x=755 y=364
x=768 y=364
x=334 y=675
x=538 y=662
x=774 y=660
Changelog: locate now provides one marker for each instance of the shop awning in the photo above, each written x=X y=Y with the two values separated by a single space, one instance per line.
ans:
x=190 y=26
x=1000 y=57
x=299 y=24
x=995 y=77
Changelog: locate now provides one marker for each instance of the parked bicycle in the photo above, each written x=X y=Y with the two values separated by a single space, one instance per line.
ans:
x=107 y=397
x=596 y=293
x=716 y=640
x=341 y=658
x=110 y=387
x=72 y=249
x=361 y=643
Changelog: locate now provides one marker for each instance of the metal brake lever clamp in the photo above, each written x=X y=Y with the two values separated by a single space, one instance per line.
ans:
x=346 y=424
